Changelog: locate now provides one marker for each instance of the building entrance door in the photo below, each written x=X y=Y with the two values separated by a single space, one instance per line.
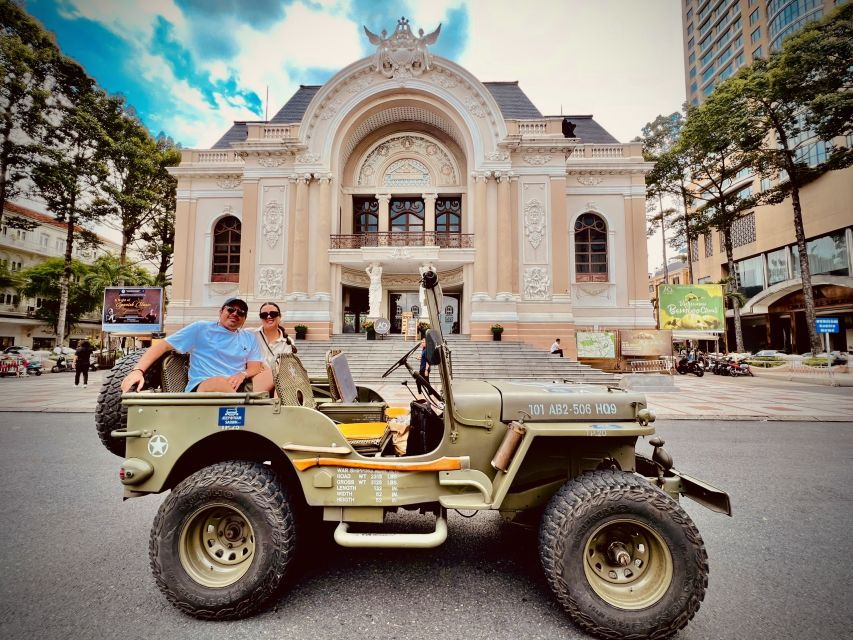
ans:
x=400 y=302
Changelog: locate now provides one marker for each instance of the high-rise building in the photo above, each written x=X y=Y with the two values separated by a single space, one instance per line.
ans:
x=720 y=36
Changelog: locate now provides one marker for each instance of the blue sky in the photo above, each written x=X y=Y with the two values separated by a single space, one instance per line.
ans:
x=190 y=67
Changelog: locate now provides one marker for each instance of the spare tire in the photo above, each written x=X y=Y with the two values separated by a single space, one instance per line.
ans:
x=109 y=412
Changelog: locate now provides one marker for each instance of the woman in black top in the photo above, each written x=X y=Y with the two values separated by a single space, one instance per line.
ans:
x=81 y=363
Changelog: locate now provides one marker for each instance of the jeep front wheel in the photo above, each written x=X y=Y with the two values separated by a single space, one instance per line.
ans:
x=222 y=541
x=622 y=557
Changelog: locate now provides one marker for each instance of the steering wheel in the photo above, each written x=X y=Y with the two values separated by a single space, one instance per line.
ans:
x=401 y=361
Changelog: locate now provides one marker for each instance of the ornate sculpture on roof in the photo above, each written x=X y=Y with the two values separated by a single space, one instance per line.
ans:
x=403 y=53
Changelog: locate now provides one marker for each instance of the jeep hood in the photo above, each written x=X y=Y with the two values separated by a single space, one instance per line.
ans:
x=560 y=402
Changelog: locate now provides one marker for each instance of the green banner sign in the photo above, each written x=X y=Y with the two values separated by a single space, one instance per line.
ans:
x=691 y=307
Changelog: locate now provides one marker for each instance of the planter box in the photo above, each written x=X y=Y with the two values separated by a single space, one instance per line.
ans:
x=496 y=337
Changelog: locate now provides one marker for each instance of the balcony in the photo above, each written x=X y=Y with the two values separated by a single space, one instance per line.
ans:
x=439 y=239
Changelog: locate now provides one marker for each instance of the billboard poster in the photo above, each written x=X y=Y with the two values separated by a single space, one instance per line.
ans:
x=645 y=342
x=596 y=344
x=691 y=307
x=132 y=310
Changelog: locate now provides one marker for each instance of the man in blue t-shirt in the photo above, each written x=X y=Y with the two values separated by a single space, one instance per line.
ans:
x=222 y=355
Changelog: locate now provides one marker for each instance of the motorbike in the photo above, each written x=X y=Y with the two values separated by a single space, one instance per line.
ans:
x=685 y=366
x=62 y=364
x=34 y=368
x=739 y=368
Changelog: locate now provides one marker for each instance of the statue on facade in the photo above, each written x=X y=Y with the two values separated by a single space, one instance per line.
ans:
x=568 y=128
x=403 y=52
x=374 y=271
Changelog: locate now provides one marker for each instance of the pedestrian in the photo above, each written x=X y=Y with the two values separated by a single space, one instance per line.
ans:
x=424 y=368
x=223 y=356
x=556 y=348
x=272 y=338
x=81 y=363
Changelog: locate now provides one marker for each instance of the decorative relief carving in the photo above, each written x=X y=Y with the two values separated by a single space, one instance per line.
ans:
x=271 y=161
x=358 y=84
x=475 y=108
x=498 y=156
x=593 y=290
x=308 y=158
x=228 y=182
x=223 y=288
x=534 y=222
x=445 y=79
x=401 y=253
x=537 y=283
x=410 y=144
x=269 y=283
x=403 y=54
x=272 y=223
x=590 y=181
x=537 y=160
x=354 y=278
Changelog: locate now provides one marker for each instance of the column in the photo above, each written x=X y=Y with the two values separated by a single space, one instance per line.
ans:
x=492 y=226
x=290 y=216
x=641 y=258
x=299 y=263
x=481 y=266
x=516 y=224
x=384 y=223
x=184 y=231
x=248 y=238
x=321 y=248
x=559 y=236
x=504 y=239
x=429 y=212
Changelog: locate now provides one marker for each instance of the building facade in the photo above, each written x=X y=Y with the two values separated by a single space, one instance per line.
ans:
x=719 y=37
x=21 y=249
x=401 y=162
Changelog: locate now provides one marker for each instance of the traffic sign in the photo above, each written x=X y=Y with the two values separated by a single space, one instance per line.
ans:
x=827 y=325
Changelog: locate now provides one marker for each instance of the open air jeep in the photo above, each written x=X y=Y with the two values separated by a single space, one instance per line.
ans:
x=247 y=472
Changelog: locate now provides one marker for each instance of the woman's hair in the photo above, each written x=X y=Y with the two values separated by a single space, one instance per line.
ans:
x=86 y=344
x=270 y=304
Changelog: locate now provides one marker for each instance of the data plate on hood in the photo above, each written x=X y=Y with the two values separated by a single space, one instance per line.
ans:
x=543 y=401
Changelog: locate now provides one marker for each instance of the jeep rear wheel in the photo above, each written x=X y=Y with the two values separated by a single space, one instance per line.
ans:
x=222 y=541
x=622 y=557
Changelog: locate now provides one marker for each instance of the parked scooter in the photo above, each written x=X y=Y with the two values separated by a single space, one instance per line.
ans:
x=62 y=364
x=689 y=363
x=34 y=368
x=739 y=368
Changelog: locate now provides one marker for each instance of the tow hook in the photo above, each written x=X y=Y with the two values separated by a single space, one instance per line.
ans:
x=661 y=458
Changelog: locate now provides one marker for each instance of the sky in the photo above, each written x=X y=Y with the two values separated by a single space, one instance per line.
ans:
x=191 y=67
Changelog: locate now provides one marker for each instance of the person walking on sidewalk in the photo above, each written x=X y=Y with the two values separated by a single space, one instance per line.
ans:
x=424 y=368
x=81 y=363
x=556 y=348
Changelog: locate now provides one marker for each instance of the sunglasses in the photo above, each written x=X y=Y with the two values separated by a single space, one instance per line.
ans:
x=269 y=314
x=241 y=313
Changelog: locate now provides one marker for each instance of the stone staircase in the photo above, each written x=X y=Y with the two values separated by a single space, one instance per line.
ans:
x=368 y=359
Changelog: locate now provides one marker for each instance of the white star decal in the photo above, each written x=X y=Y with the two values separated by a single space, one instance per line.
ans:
x=157 y=446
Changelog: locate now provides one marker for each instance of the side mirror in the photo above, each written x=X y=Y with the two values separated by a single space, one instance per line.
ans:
x=433 y=342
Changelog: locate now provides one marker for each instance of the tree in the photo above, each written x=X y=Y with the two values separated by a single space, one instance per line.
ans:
x=27 y=59
x=108 y=271
x=137 y=181
x=43 y=281
x=707 y=146
x=9 y=279
x=799 y=98
x=68 y=170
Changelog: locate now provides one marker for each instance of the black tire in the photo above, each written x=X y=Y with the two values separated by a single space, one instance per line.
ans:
x=38 y=373
x=699 y=371
x=109 y=414
x=681 y=370
x=54 y=369
x=603 y=501
x=253 y=492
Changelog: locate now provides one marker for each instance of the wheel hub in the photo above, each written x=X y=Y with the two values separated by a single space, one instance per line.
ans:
x=627 y=564
x=217 y=545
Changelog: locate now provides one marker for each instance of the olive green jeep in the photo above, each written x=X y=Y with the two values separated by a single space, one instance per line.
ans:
x=249 y=474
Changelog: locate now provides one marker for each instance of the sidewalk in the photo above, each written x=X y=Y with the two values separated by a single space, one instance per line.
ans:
x=764 y=397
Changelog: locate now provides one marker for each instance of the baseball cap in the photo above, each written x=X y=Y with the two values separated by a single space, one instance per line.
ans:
x=236 y=302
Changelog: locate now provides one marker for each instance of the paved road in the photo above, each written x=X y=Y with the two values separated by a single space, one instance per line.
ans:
x=74 y=559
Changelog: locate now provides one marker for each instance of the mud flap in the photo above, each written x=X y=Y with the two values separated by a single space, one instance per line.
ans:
x=703 y=493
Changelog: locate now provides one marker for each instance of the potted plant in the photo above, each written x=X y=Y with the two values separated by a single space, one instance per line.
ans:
x=423 y=327
x=497 y=330
x=300 y=330
x=369 y=329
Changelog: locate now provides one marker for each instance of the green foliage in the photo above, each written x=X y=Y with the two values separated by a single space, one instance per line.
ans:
x=43 y=281
x=108 y=271
x=497 y=329
x=10 y=279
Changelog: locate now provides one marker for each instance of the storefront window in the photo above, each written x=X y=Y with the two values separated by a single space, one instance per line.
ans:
x=827 y=255
x=750 y=275
x=777 y=266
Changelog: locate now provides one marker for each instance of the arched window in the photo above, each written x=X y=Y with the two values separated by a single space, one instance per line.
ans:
x=448 y=215
x=407 y=214
x=590 y=249
x=226 y=250
x=365 y=215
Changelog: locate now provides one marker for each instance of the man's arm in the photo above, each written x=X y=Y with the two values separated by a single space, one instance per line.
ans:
x=252 y=369
x=136 y=378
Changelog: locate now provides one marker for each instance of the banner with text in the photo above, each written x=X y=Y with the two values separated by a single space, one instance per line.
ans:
x=596 y=344
x=132 y=310
x=645 y=342
x=691 y=307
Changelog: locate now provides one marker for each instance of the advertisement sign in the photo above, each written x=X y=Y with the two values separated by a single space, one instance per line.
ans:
x=132 y=310
x=596 y=344
x=645 y=342
x=827 y=325
x=691 y=307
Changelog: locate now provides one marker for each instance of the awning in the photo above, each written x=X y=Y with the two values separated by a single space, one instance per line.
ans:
x=696 y=335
